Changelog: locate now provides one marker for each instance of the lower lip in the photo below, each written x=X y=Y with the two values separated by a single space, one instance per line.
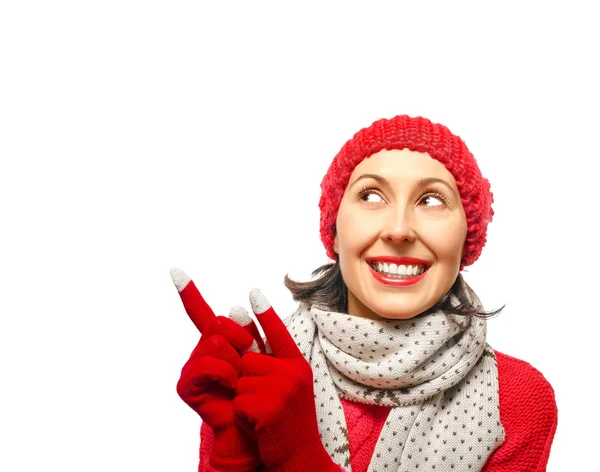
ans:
x=397 y=282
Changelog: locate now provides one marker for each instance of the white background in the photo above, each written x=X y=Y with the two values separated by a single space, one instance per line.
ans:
x=138 y=136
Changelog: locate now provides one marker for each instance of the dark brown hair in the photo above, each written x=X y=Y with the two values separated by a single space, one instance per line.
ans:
x=329 y=290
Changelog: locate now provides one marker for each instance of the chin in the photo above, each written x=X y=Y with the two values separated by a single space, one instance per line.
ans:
x=399 y=312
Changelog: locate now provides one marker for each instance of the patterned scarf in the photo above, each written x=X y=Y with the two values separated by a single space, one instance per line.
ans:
x=436 y=371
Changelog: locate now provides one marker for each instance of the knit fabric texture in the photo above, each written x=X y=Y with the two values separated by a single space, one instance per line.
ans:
x=527 y=410
x=529 y=415
x=420 y=135
x=364 y=423
x=436 y=372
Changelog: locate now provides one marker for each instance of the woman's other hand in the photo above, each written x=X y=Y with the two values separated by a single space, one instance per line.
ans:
x=208 y=379
x=275 y=395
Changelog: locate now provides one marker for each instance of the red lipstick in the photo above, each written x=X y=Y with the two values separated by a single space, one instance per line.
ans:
x=397 y=281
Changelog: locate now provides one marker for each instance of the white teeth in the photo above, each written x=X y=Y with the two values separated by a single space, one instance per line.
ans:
x=398 y=270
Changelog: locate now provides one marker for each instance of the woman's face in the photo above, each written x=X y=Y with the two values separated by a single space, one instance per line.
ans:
x=400 y=233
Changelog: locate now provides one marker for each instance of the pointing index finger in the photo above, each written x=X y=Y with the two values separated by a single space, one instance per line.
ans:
x=276 y=334
x=196 y=307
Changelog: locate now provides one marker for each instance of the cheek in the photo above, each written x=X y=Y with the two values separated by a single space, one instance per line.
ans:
x=455 y=246
x=448 y=241
x=350 y=231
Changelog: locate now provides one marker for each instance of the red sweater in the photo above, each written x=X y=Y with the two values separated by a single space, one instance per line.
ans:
x=527 y=410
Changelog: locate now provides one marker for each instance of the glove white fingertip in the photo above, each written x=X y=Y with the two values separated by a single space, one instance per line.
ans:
x=180 y=278
x=253 y=347
x=258 y=301
x=240 y=315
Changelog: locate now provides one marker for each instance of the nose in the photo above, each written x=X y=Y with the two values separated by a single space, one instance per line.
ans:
x=399 y=226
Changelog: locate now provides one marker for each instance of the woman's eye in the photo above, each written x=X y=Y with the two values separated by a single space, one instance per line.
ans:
x=370 y=197
x=433 y=200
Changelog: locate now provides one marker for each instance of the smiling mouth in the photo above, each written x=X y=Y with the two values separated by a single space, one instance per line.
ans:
x=401 y=271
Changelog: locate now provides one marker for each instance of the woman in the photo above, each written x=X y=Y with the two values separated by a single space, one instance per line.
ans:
x=384 y=365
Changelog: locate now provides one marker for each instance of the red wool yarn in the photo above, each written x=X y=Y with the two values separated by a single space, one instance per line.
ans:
x=420 y=135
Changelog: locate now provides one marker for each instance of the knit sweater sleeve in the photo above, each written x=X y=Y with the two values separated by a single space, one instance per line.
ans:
x=529 y=416
x=207 y=440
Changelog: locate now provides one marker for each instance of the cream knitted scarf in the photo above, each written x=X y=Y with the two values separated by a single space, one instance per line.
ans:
x=436 y=371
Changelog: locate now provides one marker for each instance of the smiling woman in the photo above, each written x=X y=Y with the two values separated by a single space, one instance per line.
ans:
x=413 y=229
x=385 y=364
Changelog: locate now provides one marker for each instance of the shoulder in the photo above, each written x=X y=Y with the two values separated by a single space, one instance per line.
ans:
x=524 y=387
x=528 y=413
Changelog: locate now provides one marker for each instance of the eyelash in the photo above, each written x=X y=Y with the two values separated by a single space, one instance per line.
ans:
x=426 y=193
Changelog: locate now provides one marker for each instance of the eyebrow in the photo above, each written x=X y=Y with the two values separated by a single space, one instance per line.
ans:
x=421 y=182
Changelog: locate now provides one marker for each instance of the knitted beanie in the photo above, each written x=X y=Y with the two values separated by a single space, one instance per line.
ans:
x=420 y=135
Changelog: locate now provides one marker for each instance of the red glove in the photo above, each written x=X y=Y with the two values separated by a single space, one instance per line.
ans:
x=275 y=395
x=208 y=379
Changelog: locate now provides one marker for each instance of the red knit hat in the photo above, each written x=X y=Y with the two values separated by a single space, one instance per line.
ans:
x=421 y=135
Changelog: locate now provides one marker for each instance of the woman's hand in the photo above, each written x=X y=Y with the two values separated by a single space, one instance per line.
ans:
x=208 y=379
x=275 y=395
